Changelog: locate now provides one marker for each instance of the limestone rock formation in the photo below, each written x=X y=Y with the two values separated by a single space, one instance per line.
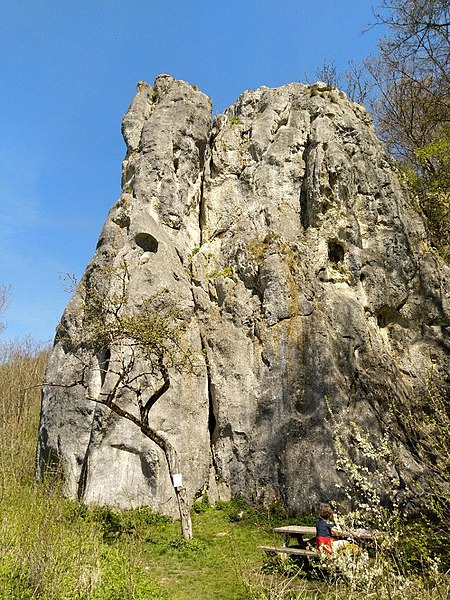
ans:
x=305 y=277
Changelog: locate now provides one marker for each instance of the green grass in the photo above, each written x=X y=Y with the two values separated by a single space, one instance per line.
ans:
x=55 y=549
x=211 y=565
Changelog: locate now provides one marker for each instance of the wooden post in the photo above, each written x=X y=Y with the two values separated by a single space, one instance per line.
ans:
x=185 y=513
x=180 y=490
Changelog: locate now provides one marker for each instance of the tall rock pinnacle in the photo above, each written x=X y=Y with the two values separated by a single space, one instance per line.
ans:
x=304 y=276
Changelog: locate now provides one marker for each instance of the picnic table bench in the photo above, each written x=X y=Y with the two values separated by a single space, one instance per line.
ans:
x=284 y=550
x=300 y=549
x=305 y=538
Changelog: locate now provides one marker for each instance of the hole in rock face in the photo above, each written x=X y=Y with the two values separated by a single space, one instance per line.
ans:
x=147 y=242
x=386 y=316
x=335 y=252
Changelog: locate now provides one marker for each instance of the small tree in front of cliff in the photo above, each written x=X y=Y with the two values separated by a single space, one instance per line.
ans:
x=129 y=353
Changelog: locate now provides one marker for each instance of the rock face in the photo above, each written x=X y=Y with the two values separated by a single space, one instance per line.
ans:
x=305 y=277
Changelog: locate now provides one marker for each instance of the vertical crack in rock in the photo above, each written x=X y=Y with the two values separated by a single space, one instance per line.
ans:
x=304 y=219
x=82 y=481
x=213 y=425
x=304 y=200
x=83 y=476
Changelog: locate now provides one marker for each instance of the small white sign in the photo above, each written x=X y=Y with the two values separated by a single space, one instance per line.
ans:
x=177 y=480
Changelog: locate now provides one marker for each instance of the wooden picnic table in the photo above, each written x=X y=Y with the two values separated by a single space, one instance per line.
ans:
x=298 y=531
x=304 y=534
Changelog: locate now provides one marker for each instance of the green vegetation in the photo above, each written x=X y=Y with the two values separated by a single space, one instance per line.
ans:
x=433 y=189
x=226 y=272
x=412 y=553
x=275 y=243
x=195 y=250
x=235 y=121
x=258 y=250
x=57 y=549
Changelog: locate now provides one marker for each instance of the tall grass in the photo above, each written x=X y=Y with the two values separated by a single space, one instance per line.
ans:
x=22 y=366
x=47 y=550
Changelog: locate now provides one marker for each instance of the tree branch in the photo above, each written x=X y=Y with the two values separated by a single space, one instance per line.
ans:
x=156 y=395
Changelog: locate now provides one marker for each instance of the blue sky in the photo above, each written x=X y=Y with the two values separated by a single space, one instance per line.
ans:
x=68 y=72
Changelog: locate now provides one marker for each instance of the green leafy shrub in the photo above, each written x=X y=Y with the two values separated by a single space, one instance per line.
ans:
x=115 y=524
x=187 y=547
x=430 y=187
x=201 y=505
x=226 y=272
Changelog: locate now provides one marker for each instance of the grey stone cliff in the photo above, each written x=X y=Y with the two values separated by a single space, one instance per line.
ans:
x=305 y=277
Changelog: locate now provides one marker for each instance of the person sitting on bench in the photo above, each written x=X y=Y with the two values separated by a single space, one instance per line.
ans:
x=325 y=529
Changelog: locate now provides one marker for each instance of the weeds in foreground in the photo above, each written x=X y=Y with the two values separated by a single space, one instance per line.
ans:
x=270 y=587
x=50 y=548
x=365 y=579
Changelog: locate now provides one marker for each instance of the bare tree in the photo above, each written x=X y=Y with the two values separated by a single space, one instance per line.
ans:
x=412 y=74
x=358 y=85
x=412 y=109
x=355 y=81
x=419 y=36
x=328 y=73
x=5 y=291
x=406 y=114
x=128 y=355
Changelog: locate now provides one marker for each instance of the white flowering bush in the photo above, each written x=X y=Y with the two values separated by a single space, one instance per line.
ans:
x=401 y=561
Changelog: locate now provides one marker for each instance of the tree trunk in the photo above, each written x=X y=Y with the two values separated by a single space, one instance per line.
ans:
x=169 y=452
x=185 y=514
x=180 y=490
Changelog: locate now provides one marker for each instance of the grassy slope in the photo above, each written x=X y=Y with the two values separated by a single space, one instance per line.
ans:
x=210 y=570
x=54 y=549
x=213 y=565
